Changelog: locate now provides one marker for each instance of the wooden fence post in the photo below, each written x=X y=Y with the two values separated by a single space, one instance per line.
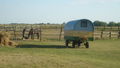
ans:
x=111 y=28
x=40 y=34
x=101 y=35
x=32 y=33
x=60 y=35
x=119 y=34
x=5 y=29
x=118 y=27
x=14 y=29
x=104 y=27
x=110 y=35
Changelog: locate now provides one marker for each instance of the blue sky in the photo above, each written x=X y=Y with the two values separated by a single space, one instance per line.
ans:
x=58 y=11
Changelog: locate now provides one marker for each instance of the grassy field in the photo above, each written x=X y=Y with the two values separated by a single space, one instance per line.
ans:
x=35 y=54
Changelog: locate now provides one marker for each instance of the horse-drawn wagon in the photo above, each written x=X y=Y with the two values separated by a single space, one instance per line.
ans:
x=79 y=31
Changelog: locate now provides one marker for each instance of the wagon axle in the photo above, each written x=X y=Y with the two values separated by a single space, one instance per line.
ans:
x=77 y=43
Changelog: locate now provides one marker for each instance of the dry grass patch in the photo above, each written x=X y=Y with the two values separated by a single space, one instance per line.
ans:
x=5 y=39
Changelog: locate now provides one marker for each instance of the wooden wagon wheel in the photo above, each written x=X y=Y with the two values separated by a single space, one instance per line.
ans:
x=87 y=44
x=23 y=33
x=66 y=43
x=73 y=44
x=79 y=43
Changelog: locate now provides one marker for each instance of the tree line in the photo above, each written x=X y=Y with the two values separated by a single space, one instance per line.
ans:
x=102 y=23
x=96 y=23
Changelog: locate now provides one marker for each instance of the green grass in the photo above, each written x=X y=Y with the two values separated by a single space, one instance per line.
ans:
x=35 y=54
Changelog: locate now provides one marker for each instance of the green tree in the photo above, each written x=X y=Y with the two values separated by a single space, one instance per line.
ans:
x=112 y=24
x=118 y=24
x=99 y=23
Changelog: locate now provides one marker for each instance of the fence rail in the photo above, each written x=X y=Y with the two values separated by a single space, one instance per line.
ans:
x=56 y=32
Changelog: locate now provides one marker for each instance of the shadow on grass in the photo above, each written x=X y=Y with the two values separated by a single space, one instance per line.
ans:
x=41 y=46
